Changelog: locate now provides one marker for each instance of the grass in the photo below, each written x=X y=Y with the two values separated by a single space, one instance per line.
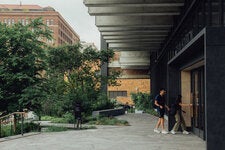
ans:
x=108 y=121
x=55 y=129
x=7 y=130
x=56 y=119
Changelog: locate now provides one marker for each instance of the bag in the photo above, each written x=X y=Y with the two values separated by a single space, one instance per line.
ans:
x=153 y=104
x=173 y=110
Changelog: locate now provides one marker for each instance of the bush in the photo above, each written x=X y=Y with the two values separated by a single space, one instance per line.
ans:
x=142 y=101
x=55 y=129
x=103 y=102
x=66 y=118
x=7 y=130
x=108 y=121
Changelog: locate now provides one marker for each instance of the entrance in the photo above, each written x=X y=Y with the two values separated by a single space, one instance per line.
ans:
x=197 y=90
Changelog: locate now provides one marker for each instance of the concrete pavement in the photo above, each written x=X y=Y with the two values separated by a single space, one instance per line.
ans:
x=138 y=136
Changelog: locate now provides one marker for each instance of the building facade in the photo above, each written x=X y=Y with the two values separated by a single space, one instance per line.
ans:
x=185 y=40
x=62 y=32
x=134 y=77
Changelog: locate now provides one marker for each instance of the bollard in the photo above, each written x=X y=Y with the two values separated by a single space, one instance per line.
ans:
x=0 y=128
x=22 y=120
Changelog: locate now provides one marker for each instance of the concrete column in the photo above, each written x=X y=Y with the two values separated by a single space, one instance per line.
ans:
x=104 y=68
x=215 y=86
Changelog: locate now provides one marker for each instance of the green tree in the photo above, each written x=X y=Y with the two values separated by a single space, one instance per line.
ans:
x=22 y=61
x=74 y=76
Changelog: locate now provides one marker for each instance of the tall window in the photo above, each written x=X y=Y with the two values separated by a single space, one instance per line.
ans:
x=9 y=21
x=5 y=21
x=47 y=22
x=13 y=21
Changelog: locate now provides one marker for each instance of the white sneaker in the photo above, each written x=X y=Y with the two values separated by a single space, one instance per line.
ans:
x=173 y=132
x=164 y=132
x=156 y=131
x=185 y=132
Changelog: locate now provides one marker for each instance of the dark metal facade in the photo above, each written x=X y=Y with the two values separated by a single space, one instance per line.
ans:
x=198 y=34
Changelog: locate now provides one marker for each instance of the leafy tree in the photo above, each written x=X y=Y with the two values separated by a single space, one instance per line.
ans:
x=22 y=61
x=74 y=76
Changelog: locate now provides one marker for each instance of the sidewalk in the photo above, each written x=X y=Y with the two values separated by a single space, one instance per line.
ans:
x=138 y=136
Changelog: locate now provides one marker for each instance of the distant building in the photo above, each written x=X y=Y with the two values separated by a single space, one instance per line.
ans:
x=134 y=76
x=86 y=45
x=62 y=31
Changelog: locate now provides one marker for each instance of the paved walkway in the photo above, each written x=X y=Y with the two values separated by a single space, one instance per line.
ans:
x=138 y=136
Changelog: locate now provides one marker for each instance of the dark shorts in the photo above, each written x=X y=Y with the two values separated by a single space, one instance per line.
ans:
x=161 y=112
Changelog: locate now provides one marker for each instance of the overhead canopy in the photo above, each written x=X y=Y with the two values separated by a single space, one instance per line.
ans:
x=134 y=25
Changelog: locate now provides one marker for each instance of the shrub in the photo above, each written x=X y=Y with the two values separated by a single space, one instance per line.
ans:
x=7 y=130
x=103 y=102
x=66 y=118
x=108 y=121
x=55 y=129
x=142 y=101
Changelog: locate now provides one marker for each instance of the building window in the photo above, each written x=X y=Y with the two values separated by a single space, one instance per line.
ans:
x=23 y=21
x=27 y=22
x=47 y=22
x=114 y=94
x=5 y=21
x=13 y=21
x=9 y=22
x=51 y=22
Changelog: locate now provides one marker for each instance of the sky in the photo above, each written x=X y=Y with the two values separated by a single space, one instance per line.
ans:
x=74 y=12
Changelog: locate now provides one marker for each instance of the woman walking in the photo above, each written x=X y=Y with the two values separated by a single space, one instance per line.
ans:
x=179 y=117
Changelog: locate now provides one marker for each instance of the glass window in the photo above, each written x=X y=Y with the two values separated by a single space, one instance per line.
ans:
x=9 y=21
x=51 y=22
x=47 y=22
x=13 y=21
x=5 y=21
x=27 y=21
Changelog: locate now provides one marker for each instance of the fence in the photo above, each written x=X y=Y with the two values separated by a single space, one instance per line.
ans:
x=11 y=121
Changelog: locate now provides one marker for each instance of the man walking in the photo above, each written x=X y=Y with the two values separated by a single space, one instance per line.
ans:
x=160 y=103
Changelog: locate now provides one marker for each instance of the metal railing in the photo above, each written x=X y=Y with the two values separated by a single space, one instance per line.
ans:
x=12 y=120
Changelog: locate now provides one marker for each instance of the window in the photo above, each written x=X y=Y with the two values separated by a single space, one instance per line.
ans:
x=9 y=22
x=27 y=22
x=47 y=22
x=51 y=22
x=23 y=21
x=114 y=94
x=5 y=21
x=13 y=21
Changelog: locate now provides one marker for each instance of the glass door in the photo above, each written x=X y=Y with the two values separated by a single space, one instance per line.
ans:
x=197 y=89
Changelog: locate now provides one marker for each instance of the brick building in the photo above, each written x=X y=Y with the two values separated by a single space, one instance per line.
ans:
x=134 y=77
x=62 y=31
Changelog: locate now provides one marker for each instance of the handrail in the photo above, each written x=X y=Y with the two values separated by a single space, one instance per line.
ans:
x=14 y=121
x=20 y=113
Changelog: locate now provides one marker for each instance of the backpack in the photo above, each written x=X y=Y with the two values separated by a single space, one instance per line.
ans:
x=173 y=109
x=153 y=104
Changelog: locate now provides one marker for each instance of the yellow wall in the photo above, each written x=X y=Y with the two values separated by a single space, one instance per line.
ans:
x=131 y=86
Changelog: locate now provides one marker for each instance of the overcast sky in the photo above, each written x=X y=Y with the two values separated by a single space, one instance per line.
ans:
x=74 y=12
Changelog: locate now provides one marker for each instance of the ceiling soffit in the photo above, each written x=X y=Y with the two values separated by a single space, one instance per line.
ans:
x=134 y=25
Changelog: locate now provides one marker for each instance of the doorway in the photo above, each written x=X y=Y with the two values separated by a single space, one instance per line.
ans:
x=198 y=99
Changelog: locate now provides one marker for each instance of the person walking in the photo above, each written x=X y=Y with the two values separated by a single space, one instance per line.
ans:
x=160 y=106
x=77 y=114
x=179 y=117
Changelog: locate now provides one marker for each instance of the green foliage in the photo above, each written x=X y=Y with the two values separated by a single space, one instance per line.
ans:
x=21 y=63
x=108 y=121
x=142 y=101
x=74 y=77
x=66 y=118
x=56 y=129
x=103 y=102
x=7 y=130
